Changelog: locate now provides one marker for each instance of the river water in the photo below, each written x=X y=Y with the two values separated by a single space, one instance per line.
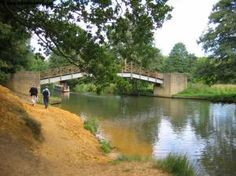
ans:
x=149 y=126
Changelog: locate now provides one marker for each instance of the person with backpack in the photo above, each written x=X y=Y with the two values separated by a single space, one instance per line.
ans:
x=34 y=94
x=46 y=95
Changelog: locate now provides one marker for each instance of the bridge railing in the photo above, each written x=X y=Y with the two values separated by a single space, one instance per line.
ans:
x=127 y=68
x=54 y=72
x=130 y=68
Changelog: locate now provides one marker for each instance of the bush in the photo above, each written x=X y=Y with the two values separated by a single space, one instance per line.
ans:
x=85 y=88
x=177 y=165
x=106 y=146
x=91 y=125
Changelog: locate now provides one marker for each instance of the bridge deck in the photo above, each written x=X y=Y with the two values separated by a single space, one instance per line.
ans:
x=73 y=72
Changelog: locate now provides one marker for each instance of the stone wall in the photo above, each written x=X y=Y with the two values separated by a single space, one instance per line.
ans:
x=173 y=84
x=22 y=81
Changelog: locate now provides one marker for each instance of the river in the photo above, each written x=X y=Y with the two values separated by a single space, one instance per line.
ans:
x=149 y=126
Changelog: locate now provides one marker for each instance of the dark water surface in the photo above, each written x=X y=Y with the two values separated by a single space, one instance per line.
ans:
x=150 y=126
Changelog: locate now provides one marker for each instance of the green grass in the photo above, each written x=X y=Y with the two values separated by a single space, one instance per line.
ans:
x=106 y=146
x=91 y=125
x=216 y=93
x=176 y=165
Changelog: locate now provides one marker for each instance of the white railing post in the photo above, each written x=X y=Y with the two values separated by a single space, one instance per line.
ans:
x=131 y=70
x=125 y=65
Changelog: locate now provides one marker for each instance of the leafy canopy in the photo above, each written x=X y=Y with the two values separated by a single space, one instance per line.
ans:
x=220 y=41
x=56 y=25
x=179 y=60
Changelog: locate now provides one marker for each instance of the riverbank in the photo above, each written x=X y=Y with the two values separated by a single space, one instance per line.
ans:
x=38 y=141
x=217 y=93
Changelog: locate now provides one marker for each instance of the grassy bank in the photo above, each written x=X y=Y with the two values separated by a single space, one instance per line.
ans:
x=216 y=93
x=92 y=126
x=176 y=165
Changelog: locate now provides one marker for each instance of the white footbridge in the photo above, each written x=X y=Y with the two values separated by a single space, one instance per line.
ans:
x=73 y=72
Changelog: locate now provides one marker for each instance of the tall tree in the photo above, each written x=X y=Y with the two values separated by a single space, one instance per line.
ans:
x=13 y=49
x=179 y=60
x=131 y=38
x=220 y=41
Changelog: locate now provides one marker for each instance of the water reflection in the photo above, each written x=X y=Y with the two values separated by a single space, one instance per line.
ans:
x=205 y=132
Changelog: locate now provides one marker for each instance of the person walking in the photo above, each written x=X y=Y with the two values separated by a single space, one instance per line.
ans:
x=46 y=95
x=34 y=94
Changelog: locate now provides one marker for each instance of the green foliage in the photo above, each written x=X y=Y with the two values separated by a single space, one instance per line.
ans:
x=56 y=61
x=216 y=93
x=81 y=87
x=56 y=27
x=91 y=125
x=204 y=71
x=36 y=62
x=13 y=49
x=106 y=146
x=179 y=60
x=110 y=89
x=220 y=41
x=176 y=165
x=201 y=89
x=122 y=86
x=129 y=40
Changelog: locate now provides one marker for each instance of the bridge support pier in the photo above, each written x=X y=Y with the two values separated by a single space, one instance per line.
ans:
x=22 y=81
x=173 y=84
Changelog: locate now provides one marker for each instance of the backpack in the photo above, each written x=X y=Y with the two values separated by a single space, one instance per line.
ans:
x=45 y=93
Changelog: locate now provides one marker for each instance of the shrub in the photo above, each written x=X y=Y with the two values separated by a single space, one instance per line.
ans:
x=106 y=146
x=91 y=125
x=177 y=165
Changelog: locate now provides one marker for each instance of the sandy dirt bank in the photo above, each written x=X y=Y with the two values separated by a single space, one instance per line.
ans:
x=64 y=147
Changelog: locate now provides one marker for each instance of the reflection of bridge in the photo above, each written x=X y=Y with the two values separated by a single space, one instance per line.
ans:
x=73 y=72
x=165 y=84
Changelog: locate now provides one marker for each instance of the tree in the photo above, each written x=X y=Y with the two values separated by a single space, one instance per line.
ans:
x=131 y=38
x=13 y=49
x=220 y=41
x=36 y=62
x=179 y=60
x=56 y=61
x=56 y=25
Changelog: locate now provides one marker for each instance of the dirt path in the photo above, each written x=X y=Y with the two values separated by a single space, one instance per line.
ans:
x=67 y=149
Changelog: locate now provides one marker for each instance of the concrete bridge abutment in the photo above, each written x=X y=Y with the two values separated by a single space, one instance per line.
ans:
x=173 y=83
x=22 y=81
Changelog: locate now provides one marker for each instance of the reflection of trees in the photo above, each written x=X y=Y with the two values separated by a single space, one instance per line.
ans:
x=220 y=152
x=177 y=112
x=200 y=119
